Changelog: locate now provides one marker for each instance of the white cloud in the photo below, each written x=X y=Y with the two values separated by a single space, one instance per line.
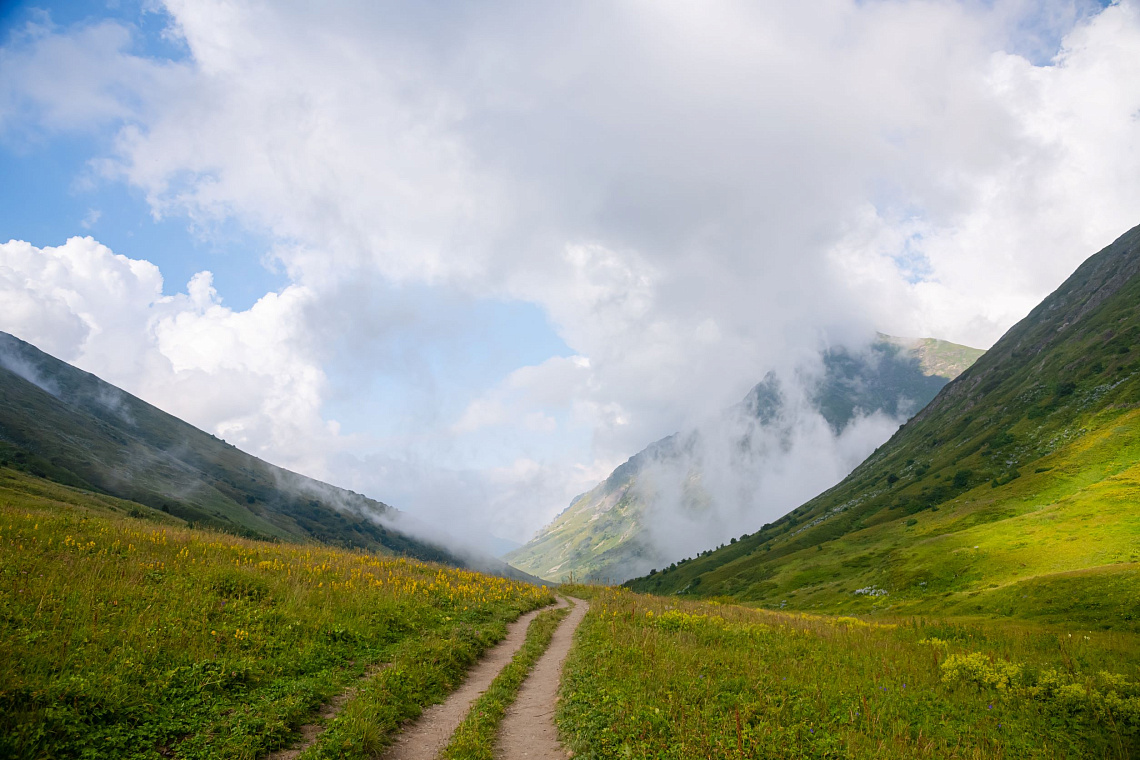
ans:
x=1067 y=184
x=740 y=487
x=694 y=194
x=244 y=375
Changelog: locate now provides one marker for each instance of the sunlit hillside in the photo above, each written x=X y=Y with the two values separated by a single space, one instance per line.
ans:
x=1013 y=493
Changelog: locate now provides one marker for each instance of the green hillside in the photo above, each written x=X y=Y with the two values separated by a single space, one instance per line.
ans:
x=602 y=537
x=123 y=637
x=61 y=423
x=1015 y=492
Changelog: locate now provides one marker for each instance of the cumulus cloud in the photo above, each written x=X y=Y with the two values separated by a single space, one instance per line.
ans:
x=693 y=194
x=246 y=376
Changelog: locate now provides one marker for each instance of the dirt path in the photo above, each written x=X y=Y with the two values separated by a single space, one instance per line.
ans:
x=528 y=729
x=425 y=738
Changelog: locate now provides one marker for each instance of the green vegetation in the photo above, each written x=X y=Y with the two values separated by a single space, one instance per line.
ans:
x=1012 y=494
x=142 y=638
x=476 y=735
x=601 y=536
x=938 y=358
x=658 y=677
x=66 y=425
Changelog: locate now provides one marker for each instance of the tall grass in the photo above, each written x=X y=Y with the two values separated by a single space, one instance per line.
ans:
x=654 y=677
x=120 y=637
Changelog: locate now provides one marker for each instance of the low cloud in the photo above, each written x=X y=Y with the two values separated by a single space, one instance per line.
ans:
x=736 y=472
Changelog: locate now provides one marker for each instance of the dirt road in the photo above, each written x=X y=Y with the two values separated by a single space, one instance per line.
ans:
x=424 y=738
x=528 y=729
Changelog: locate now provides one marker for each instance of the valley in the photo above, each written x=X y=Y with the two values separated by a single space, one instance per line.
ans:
x=608 y=534
x=970 y=590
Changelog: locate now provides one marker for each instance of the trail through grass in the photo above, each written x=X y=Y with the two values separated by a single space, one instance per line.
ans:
x=120 y=637
x=475 y=737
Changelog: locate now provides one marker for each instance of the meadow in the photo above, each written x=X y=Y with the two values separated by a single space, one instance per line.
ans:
x=124 y=633
x=657 y=677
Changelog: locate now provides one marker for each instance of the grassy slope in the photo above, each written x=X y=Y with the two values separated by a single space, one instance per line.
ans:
x=1014 y=492
x=940 y=358
x=90 y=434
x=599 y=536
x=123 y=637
x=656 y=677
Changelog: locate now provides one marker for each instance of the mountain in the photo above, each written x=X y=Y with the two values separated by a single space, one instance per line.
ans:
x=1014 y=492
x=60 y=423
x=606 y=534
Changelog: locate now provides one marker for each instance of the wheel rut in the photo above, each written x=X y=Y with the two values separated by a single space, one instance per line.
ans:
x=528 y=731
x=429 y=734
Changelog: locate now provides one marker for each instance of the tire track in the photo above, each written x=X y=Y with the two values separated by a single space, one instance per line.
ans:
x=528 y=731
x=428 y=735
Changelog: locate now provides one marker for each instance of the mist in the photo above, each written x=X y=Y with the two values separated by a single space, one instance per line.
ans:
x=21 y=367
x=737 y=473
x=798 y=432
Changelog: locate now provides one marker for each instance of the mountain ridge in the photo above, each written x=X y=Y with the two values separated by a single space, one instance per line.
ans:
x=601 y=535
x=1017 y=475
x=67 y=425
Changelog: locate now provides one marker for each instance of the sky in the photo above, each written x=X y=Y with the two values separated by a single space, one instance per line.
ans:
x=467 y=257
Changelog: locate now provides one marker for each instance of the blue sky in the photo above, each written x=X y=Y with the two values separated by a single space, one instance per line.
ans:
x=56 y=194
x=468 y=258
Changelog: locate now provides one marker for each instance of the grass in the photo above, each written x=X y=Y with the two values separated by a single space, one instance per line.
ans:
x=476 y=735
x=654 y=677
x=1058 y=544
x=127 y=637
x=1022 y=475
